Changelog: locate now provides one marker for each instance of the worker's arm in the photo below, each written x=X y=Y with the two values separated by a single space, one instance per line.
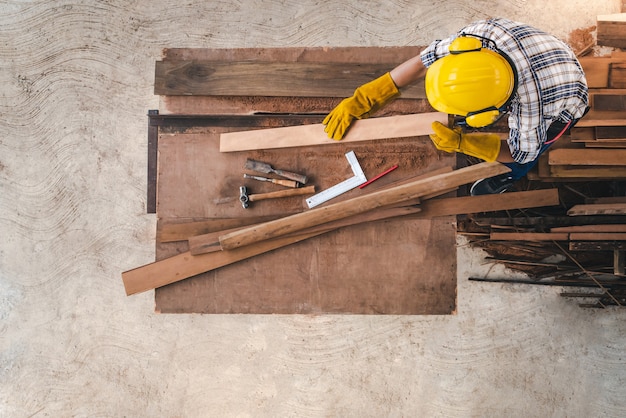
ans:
x=372 y=96
x=408 y=72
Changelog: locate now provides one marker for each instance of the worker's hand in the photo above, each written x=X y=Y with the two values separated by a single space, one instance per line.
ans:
x=366 y=100
x=481 y=145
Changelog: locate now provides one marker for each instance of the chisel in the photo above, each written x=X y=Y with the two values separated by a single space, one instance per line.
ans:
x=286 y=183
x=266 y=168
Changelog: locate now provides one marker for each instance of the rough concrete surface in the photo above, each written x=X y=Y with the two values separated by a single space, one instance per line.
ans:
x=76 y=83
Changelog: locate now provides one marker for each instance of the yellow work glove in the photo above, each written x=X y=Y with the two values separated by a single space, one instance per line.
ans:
x=366 y=100
x=480 y=145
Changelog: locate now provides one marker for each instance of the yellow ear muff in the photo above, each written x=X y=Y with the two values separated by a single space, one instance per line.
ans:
x=483 y=118
x=465 y=44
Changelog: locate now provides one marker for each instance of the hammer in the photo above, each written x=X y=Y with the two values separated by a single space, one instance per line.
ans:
x=245 y=198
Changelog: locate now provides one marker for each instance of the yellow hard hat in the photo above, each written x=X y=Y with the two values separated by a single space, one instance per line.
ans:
x=472 y=81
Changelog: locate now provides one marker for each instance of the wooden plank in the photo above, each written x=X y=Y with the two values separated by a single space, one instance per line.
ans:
x=597 y=236
x=180 y=267
x=606 y=199
x=591 y=228
x=529 y=236
x=181 y=230
x=203 y=243
x=596 y=70
x=610 y=133
x=597 y=245
x=489 y=203
x=587 y=172
x=579 y=134
x=608 y=101
x=207 y=243
x=585 y=122
x=611 y=30
x=566 y=156
x=401 y=126
x=184 y=265
x=619 y=262
x=429 y=209
x=617 y=75
x=338 y=55
x=598 y=209
x=606 y=144
x=274 y=79
x=360 y=204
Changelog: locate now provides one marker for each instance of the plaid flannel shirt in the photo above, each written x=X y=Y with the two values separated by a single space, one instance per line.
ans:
x=551 y=82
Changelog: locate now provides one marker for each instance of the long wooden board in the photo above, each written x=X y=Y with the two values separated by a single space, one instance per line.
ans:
x=402 y=126
x=275 y=79
x=598 y=209
x=185 y=265
x=340 y=210
x=566 y=156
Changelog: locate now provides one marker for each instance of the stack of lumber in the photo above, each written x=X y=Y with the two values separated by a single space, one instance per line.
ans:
x=581 y=244
x=595 y=149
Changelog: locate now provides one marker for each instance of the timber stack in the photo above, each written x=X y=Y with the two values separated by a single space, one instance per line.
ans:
x=582 y=242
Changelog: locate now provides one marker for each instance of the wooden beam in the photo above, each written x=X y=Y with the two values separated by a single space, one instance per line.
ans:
x=360 y=204
x=587 y=172
x=183 y=266
x=600 y=209
x=568 y=156
x=276 y=79
x=597 y=236
x=587 y=122
x=619 y=262
x=207 y=243
x=591 y=228
x=611 y=30
x=361 y=130
x=489 y=203
x=181 y=231
x=529 y=236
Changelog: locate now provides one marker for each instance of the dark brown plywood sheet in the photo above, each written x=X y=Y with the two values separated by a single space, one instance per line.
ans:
x=378 y=268
x=399 y=266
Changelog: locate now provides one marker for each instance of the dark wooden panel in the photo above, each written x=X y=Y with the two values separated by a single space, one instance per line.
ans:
x=256 y=78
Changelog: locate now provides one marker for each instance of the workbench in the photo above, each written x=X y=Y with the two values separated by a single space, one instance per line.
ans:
x=402 y=266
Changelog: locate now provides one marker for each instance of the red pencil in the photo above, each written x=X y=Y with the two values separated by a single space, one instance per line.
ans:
x=389 y=170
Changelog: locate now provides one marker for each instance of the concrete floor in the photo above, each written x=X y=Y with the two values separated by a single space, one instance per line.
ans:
x=76 y=83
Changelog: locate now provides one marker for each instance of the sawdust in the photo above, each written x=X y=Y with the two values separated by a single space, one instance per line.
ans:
x=582 y=40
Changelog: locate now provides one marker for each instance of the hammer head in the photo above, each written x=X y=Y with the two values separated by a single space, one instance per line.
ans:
x=243 y=197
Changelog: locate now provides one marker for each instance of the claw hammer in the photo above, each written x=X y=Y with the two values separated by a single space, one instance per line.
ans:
x=246 y=198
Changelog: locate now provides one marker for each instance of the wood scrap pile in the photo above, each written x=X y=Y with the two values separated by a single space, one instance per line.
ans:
x=579 y=243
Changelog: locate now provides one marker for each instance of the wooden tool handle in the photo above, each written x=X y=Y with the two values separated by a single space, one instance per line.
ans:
x=286 y=183
x=300 y=178
x=282 y=193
